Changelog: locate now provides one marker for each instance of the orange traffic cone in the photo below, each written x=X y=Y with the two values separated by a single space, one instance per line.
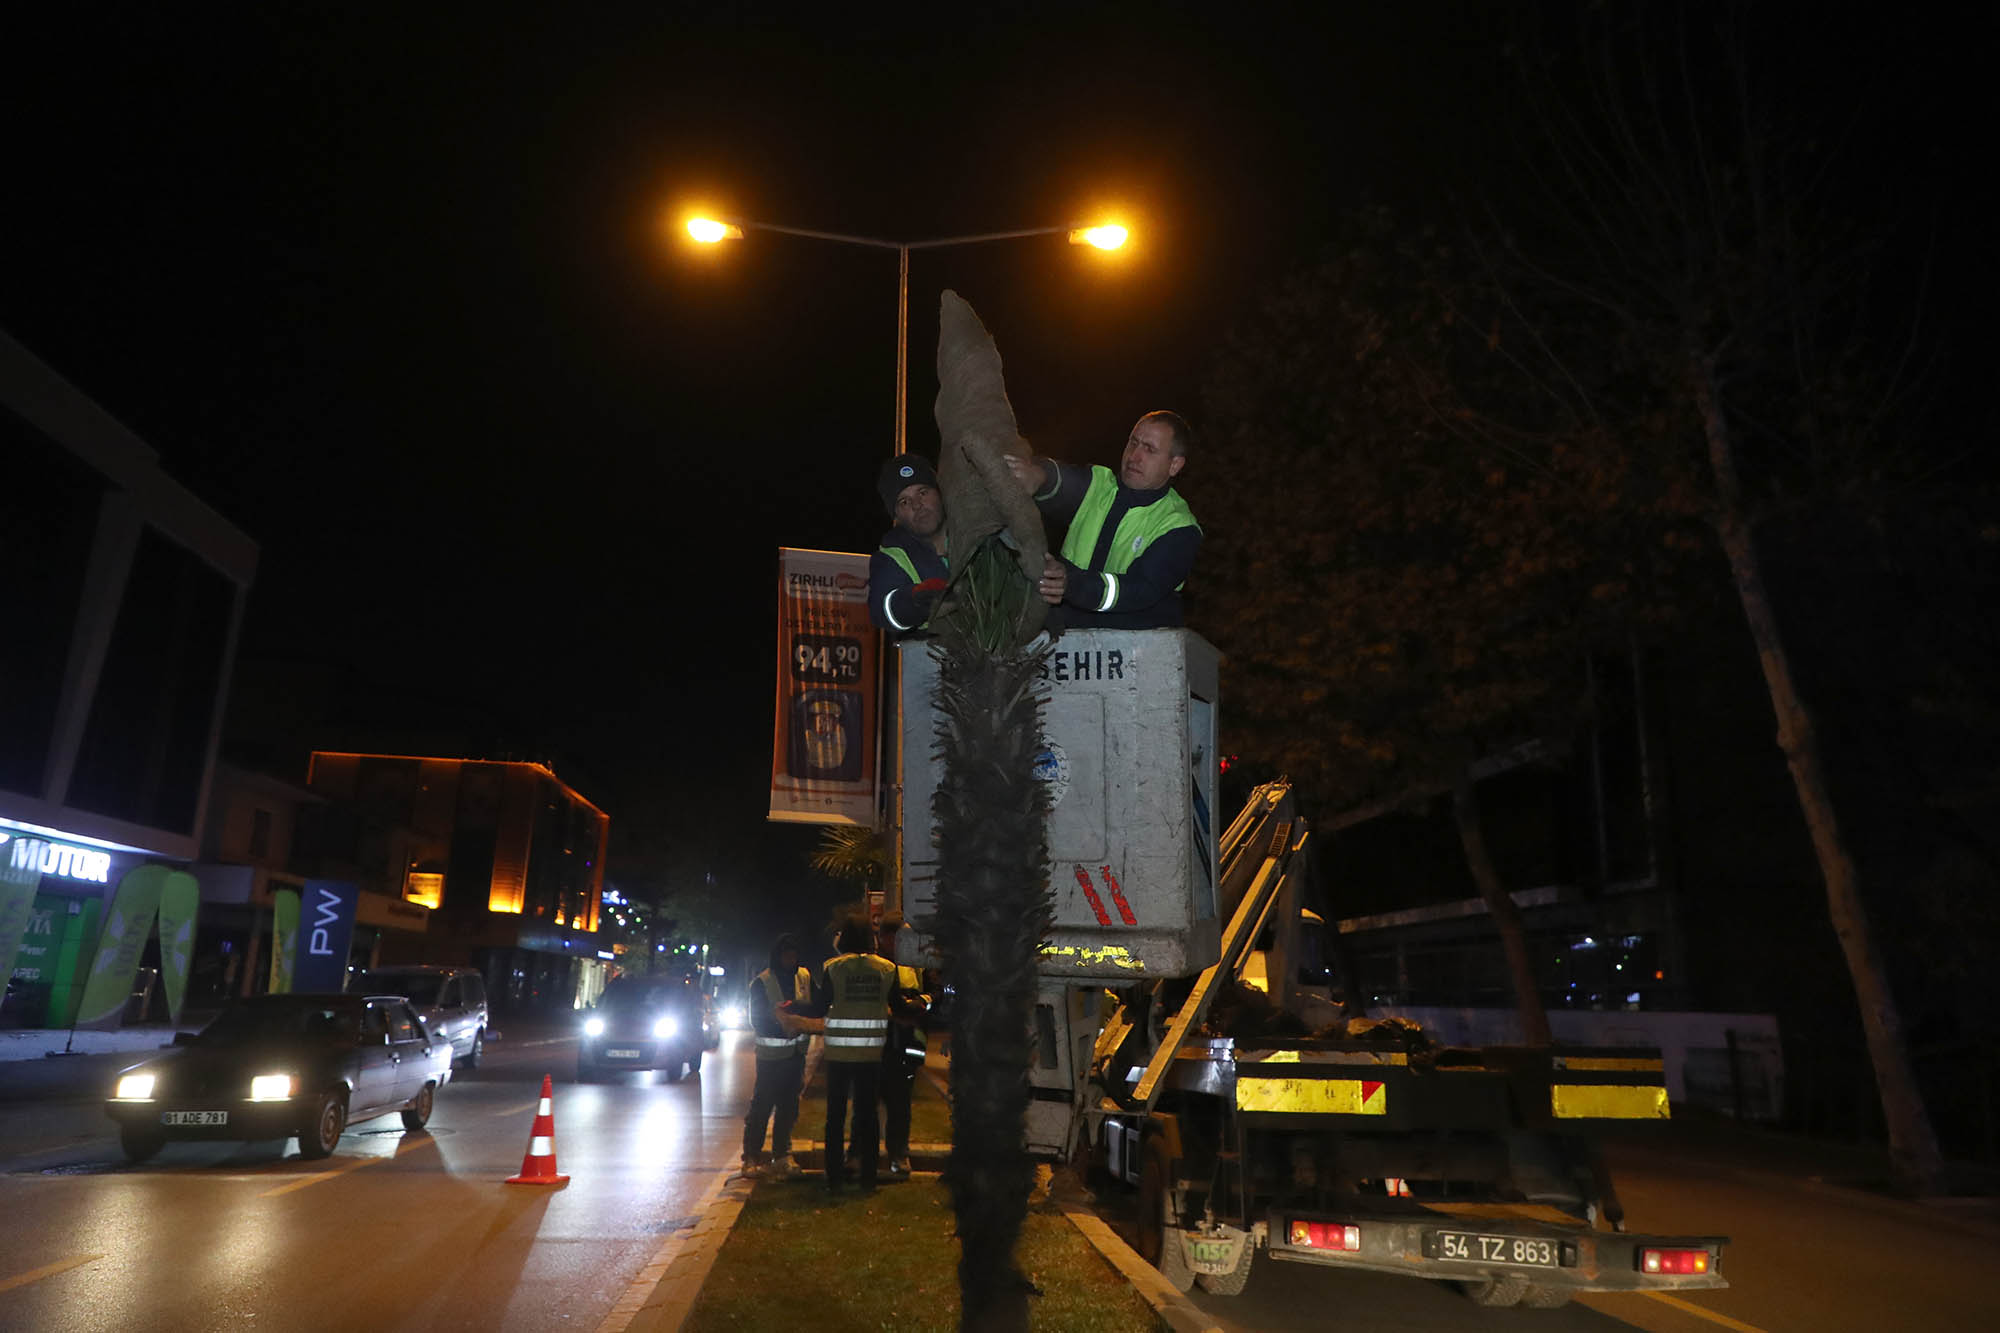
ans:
x=538 y=1164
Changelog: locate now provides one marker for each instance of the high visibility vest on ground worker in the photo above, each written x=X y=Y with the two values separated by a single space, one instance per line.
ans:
x=915 y=1046
x=857 y=1021
x=783 y=1048
x=1140 y=527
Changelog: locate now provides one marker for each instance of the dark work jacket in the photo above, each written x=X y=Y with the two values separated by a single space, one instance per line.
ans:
x=891 y=605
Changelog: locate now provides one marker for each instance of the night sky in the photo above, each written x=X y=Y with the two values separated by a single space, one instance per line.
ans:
x=397 y=290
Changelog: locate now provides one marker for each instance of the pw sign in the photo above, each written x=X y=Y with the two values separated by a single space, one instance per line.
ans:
x=38 y=856
x=326 y=928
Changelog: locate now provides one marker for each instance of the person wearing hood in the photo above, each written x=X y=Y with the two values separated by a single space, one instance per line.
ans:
x=781 y=1060
x=1132 y=540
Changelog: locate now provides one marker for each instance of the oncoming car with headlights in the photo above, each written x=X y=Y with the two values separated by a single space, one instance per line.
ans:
x=275 y=1066
x=642 y=1023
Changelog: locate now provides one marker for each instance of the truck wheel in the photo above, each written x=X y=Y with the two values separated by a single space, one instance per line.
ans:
x=140 y=1144
x=1539 y=1297
x=1232 y=1282
x=1159 y=1230
x=1497 y=1291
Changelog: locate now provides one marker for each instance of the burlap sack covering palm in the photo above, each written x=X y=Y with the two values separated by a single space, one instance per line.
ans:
x=975 y=427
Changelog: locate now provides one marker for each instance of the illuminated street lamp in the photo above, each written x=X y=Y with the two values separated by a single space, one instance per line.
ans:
x=712 y=231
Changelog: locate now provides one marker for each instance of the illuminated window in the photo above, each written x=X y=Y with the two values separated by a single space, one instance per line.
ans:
x=426 y=889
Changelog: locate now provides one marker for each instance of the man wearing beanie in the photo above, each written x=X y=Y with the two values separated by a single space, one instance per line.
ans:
x=908 y=572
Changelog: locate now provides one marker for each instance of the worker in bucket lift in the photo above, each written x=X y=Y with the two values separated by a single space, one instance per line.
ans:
x=781 y=1060
x=911 y=566
x=1132 y=540
x=909 y=569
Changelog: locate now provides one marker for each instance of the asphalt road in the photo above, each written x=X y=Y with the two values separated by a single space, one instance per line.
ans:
x=416 y=1231
x=395 y=1231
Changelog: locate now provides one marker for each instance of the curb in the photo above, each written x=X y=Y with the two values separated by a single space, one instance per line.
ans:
x=1174 y=1309
x=662 y=1297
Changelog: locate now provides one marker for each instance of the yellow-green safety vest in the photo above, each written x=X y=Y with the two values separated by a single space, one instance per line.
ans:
x=1138 y=529
x=783 y=1048
x=857 y=1021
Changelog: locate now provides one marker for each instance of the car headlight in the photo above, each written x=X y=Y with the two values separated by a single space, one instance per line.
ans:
x=135 y=1088
x=666 y=1027
x=270 y=1087
x=593 y=1027
x=732 y=1017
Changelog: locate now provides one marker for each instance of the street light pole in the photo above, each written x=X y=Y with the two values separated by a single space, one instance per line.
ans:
x=709 y=231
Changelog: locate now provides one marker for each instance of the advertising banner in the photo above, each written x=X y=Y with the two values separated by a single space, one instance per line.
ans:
x=326 y=925
x=284 y=938
x=18 y=879
x=128 y=924
x=823 y=749
x=180 y=897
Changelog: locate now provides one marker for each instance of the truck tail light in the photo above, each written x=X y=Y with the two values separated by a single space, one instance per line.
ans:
x=1673 y=1261
x=1324 y=1235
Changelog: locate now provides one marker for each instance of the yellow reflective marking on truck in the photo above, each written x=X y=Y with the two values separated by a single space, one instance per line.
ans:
x=1578 y=1101
x=1608 y=1064
x=1116 y=955
x=1311 y=1096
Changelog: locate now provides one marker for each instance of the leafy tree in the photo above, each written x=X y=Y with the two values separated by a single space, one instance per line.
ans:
x=1719 y=244
x=1426 y=545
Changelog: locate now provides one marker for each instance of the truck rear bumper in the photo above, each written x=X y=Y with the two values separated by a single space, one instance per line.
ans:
x=1441 y=1246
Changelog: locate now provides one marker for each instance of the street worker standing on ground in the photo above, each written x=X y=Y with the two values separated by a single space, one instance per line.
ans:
x=1132 y=540
x=908 y=571
x=856 y=991
x=903 y=1053
x=781 y=1060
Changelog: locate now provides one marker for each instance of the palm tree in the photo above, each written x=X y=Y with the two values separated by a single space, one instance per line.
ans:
x=852 y=852
x=993 y=906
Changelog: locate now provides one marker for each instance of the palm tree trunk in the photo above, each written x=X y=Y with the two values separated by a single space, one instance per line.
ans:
x=1506 y=916
x=993 y=911
x=1913 y=1146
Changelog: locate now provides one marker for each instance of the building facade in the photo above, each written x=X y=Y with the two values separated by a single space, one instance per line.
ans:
x=506 y=856
x=123 y=599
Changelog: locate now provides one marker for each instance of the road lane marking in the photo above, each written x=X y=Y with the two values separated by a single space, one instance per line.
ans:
x=534 y=1105
x=405 y=1146
x=47 y=1270
x=1705 y=1313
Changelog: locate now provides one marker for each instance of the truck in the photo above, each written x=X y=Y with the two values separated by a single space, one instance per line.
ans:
x=1189 y=1047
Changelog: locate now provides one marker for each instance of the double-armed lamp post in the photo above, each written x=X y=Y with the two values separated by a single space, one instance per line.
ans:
x=712 y=231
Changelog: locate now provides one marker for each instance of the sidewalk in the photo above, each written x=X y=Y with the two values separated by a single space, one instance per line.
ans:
x=35 y=1043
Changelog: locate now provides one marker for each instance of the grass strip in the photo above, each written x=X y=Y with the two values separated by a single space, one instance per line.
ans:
x=800 y=1258
x=930 y=1113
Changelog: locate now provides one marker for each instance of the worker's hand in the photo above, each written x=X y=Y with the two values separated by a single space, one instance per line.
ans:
x=926 y=595
x=1032 y=473
x=1055 y=580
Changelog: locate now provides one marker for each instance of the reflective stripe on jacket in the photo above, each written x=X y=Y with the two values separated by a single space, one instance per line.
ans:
x=857 y=1019
x=1138 y=529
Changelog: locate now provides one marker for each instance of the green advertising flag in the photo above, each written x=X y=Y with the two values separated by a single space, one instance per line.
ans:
x=284 y=938
x=17 y=904
x=180 y=899
x=127 y=927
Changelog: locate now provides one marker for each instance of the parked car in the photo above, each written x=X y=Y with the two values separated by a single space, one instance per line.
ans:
x=643 y=1023
x=450 y=1000
x=274 y=1066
